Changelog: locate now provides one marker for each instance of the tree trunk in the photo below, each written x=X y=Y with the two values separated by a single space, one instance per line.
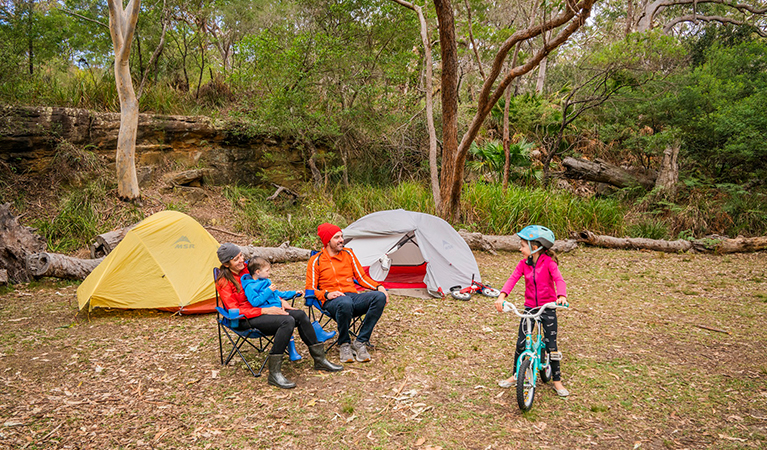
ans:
x=666 y=183
x=428 y=63
x=60 y=266
x=16 y=242
x=122 y=25
x=539 y=82
x=605 y=173
x=506 y=139
x=316 y=174
x=451 y=180
x=572 y=17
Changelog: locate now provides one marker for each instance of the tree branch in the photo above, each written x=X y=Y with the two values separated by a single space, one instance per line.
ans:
x=474 y=44
x=695 y=18
x=80 y=16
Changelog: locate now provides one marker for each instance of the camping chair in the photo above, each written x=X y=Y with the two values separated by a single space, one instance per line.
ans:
x=228 y=321
x=320 y=318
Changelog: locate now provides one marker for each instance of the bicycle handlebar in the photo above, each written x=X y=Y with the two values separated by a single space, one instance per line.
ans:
x=550 y=305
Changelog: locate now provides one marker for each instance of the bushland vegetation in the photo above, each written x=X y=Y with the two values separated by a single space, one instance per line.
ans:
x=350 y=74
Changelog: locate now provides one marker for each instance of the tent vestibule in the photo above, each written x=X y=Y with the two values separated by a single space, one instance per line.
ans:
x=410 y=250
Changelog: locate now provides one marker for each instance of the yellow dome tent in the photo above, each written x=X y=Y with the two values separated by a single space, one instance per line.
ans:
x=164 y=262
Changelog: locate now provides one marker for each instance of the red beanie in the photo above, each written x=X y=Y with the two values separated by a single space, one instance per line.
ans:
x=326 y=231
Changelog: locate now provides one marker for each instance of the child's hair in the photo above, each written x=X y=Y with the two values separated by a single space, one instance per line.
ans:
x=551 y=254
x=257 y=263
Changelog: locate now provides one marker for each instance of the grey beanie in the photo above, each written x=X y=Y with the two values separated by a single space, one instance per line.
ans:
x=227 y=252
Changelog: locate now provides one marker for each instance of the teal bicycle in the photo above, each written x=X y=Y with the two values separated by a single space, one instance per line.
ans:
x=535 y=359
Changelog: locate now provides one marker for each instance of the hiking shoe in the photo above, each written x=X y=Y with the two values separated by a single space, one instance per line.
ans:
x=507 y=383
x=345 y=353
x=360 y=351
x=561 y=392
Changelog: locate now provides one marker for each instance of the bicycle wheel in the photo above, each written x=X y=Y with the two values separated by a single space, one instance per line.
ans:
x=456 y=293
x=525 y=385
x=545 y=372
x=490 y=292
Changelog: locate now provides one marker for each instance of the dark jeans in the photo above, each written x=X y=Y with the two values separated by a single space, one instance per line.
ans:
x=281 y=327
x=549 y=322
x=353 y=304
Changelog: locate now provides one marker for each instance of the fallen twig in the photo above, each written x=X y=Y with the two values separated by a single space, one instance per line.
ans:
x=224 y=231
x=712 y=329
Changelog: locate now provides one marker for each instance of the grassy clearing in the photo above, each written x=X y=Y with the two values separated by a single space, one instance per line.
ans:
x=642 y=371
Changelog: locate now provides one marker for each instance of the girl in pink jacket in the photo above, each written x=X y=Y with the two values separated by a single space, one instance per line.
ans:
x=543 y=284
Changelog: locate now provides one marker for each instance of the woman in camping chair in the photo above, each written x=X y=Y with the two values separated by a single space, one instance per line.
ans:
x=273 y=321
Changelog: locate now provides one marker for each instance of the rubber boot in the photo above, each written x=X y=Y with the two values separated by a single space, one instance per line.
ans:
x=292 y=352
x=320 y=361
x=275 y=373
x=322 y=335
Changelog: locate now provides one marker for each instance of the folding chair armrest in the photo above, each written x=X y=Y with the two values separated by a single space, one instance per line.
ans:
x=311 y=300
x=231 y=314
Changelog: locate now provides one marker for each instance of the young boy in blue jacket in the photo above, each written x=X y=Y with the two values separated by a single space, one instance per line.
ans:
x=259 y=290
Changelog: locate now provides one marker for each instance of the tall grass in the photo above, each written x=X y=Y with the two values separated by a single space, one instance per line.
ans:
x=486 y=209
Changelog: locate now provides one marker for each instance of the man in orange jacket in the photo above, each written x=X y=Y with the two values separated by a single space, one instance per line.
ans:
x=331 y=273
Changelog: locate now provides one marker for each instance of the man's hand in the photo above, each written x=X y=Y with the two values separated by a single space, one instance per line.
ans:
x=273 y=310
x=334 y=294
x=383 y=289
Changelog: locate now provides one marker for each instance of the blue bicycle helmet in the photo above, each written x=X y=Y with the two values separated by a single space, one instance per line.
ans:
x=537 y=233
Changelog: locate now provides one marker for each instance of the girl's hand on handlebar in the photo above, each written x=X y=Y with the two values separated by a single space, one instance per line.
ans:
x=499 y=303
x=562 y=301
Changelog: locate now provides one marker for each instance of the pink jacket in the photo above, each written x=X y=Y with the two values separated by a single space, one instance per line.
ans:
x=541 y=287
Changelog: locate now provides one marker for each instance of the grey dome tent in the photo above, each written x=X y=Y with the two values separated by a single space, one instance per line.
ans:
x=410 y=250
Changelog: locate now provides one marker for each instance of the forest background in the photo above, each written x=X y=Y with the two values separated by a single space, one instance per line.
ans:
x=346 y=80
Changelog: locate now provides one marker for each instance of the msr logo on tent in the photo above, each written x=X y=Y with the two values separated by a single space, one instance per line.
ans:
x=446 y=245
x=183 y=243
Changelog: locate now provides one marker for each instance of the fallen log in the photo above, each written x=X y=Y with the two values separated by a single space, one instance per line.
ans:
x=283 y=253
x=491 y=243
x=706 y=245
x=105 y=243
x=603 y=172
x=16 y=242
x=60 y=266
x=736 y=245
x=587 y=237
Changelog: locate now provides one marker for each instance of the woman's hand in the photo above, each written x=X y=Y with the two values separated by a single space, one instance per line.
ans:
x=273 y=310
x=499 y=302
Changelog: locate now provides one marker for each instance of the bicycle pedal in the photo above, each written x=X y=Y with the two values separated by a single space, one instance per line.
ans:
x=555 y=356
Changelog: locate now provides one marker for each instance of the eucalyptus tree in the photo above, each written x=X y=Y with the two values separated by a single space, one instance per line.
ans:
x=562 y=23
x=122 y=25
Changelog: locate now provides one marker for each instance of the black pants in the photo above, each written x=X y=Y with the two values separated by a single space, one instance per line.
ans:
x=549 y=322
x=281 y=327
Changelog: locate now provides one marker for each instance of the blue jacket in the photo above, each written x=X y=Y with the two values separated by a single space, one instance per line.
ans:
x=259 y=295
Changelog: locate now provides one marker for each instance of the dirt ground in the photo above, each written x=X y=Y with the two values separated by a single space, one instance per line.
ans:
x=661 y=351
